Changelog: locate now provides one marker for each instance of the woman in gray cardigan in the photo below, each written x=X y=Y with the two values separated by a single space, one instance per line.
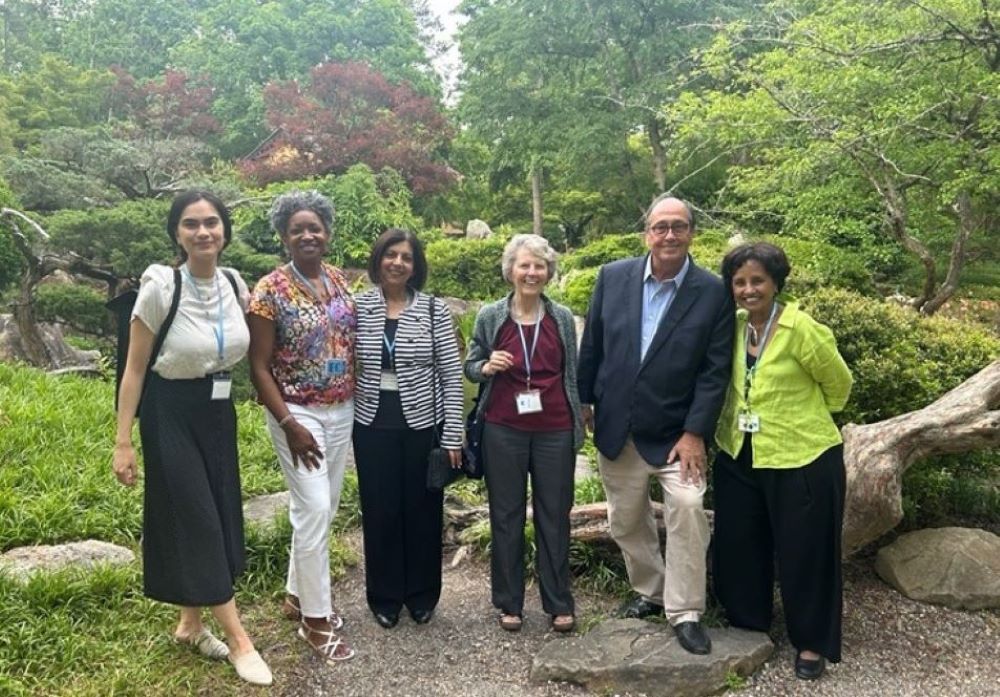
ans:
x=524 y=348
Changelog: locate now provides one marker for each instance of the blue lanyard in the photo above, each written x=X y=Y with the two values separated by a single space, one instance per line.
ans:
x=748 y=382
x=220 y=331
x=390 y=346
x=534 y=343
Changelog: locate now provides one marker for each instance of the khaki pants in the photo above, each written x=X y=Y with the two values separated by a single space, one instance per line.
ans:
x=678 y=578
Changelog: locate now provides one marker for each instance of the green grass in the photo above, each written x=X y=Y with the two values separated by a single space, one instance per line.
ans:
x=94 y=633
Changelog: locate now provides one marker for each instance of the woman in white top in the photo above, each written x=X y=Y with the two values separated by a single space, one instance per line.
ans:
x=192 y=518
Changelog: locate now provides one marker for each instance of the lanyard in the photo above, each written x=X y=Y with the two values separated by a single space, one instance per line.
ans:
x=534 y=343
x=220 y=330
x=748 y=381
x=390 y=346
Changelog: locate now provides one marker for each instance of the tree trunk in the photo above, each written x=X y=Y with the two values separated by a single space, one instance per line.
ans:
x=877 y=455
x=536 y=199
x=24 y=316
x=966 y=225
x=659 y=155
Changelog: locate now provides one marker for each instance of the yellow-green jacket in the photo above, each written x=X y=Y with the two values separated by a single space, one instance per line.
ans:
x=800 y=381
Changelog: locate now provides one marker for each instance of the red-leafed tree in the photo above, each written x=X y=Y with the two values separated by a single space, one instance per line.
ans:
x=346 y=114
x=172 y=105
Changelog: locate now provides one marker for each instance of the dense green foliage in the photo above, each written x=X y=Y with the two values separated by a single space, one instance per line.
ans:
x=466 y=268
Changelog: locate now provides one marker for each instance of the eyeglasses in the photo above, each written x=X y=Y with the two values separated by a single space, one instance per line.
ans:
x=678 y=227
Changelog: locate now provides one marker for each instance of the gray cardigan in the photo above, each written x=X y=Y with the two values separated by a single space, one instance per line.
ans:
x=484 y=334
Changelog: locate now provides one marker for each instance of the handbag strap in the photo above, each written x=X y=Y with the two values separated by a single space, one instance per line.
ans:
x=434 y=371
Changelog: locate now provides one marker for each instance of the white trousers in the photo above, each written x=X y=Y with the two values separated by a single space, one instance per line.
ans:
x=313 y=499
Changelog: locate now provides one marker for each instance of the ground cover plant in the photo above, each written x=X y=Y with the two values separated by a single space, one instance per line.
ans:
x=94 y=633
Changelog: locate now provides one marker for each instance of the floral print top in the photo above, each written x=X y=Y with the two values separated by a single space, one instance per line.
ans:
x=313 y=360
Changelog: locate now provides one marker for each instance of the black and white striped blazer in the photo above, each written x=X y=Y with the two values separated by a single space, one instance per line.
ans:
x=413 y=364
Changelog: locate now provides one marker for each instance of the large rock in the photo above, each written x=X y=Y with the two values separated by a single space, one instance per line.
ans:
x=22 y=562
x=644 y=657
x=955 y=567
x=477 y=229
x=265 y=510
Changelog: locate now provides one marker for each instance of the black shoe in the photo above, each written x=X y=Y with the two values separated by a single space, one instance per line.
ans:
x=809 y=669
x=387 y=619
x=421 y=616
x=693 y=638
x=638 y=608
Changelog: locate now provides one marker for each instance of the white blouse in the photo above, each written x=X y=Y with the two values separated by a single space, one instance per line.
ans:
x=191 y=349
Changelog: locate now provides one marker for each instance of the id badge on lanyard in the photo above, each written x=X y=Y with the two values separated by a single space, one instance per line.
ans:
x=529 y=401
x=222 y=385
x=747 y=420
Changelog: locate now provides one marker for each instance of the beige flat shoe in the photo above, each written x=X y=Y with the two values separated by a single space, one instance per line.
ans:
x=251 y=668
x=206 y=643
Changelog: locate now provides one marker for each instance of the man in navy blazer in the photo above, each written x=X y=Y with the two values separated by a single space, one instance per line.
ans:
x=654 y=366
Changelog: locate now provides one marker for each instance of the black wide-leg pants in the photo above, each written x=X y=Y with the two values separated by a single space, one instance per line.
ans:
x=401 y=519
x=509 y=455
x=794 y=516
x=192 y=529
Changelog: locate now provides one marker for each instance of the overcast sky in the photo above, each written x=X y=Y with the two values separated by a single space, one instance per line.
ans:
x=448 y=64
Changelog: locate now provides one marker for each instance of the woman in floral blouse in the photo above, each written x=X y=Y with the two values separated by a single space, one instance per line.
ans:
x=302 y=331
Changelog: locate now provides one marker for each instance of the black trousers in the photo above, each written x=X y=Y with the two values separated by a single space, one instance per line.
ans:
x=509 y=455
x=192 y=524
x=794 y=516
x=401 y=520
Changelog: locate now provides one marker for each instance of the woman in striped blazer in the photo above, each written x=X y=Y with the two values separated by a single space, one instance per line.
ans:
x=407 y=372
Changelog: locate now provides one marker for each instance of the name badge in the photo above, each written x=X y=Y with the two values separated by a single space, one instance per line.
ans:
x=222 y=385
x=748 y=423
x=335 y=367
x=388 y=382
x=529 y=402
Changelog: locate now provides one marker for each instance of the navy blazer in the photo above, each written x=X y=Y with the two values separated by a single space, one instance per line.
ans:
x=681 y=383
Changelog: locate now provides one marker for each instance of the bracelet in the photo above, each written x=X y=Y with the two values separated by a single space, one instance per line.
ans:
x=288 y=417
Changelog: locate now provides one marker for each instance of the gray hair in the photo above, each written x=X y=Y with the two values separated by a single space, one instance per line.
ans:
x=288 y=204
x=660 y=199
x=536 y=245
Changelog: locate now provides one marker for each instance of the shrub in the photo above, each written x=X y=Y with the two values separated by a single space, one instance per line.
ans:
x=467 y=269
x=79 y=306
x=901 y=361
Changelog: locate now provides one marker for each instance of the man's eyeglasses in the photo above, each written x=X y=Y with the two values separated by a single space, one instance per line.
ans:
x=678 y=227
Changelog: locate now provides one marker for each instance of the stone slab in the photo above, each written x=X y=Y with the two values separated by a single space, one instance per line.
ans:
x=645 y=657
x=23 y=562
x=264 y=511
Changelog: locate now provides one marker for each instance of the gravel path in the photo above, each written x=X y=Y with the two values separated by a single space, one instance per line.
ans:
x=892 y=646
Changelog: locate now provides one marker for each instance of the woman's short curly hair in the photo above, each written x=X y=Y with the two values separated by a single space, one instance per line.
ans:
x=770 y=256
x=537 y=246
x=288 y=204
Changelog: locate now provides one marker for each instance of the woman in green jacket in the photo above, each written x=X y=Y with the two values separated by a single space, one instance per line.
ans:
x=779 y=478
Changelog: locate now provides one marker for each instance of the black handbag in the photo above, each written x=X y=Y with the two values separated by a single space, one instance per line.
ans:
x=472 y=453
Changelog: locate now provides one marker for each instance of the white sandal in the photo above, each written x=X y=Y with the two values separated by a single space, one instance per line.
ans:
x=206 y=643
x=328 y=649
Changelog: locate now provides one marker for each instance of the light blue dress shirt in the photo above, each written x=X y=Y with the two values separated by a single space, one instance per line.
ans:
x=656 y=299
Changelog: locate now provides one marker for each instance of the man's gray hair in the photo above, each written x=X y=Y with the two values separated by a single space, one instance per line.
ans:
x=660 y=199
x=535 y=245
x=288 y=204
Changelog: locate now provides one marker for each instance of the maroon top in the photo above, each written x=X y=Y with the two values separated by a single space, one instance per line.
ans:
x=546 y=377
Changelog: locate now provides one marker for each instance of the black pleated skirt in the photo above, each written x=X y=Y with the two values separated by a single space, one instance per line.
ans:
x=192 y=546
